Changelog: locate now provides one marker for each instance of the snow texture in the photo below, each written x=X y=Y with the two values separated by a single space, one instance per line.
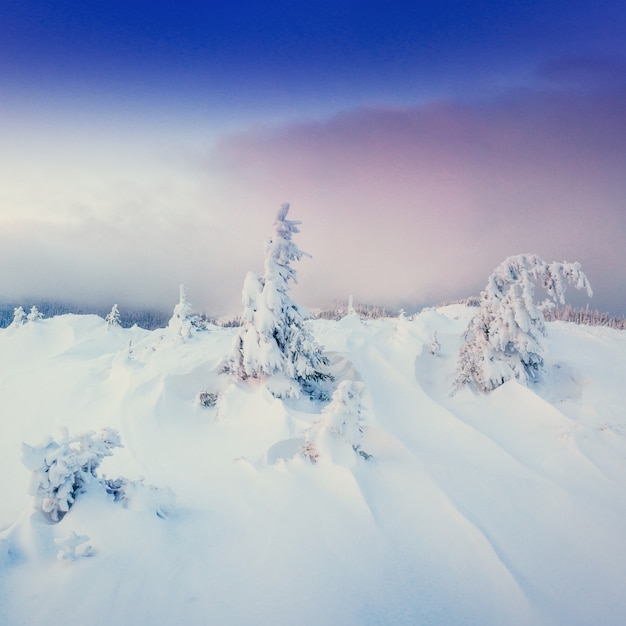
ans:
x=481 y=510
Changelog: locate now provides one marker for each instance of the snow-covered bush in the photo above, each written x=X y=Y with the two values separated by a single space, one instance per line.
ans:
x=73 y=547
x=19 y=317
x=435 y=347
x=273 y=338
x=182 y=322
x=344 y=418
x=35 y=315
x=136 y=495
x=502 y=340
x=113 y=318
x=207 y=399
x=310 y=451
x=61 y=469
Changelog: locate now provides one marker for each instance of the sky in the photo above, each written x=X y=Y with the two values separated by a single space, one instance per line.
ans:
x=148 y=144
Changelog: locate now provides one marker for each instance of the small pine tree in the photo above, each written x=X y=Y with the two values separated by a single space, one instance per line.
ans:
x=351 y=310
x=182 y=322
x=113 y=318
x=34 y=315
x=273 y=338
x=344 y=416
x=435 y=346
x=503 y=340
x=343 y=419
x=19 y=317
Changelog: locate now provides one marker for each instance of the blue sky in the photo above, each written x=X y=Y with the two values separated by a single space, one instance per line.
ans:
x=149 y=143
x=257 y=56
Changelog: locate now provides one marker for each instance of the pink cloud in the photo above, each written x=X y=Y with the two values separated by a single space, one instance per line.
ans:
x=400 y=206
x=419 y=204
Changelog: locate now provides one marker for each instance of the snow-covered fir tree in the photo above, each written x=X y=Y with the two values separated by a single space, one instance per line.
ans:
x=351 y=310
x=503 y=340
x=113 y=318
x=345 y=415
x=34 y=315
x=273 y=340
x=182 y=322
x=19 y=317
x=343 y=419
x=434 y=347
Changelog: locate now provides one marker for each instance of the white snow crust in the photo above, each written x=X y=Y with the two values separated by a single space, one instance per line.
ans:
x=485 y=510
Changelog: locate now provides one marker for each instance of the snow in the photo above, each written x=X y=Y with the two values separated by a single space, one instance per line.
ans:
x=507 y=508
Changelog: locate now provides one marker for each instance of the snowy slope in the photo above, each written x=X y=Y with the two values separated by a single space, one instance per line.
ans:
x=486 y=510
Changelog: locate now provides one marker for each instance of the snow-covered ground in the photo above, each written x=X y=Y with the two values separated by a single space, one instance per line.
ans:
x=499 y=509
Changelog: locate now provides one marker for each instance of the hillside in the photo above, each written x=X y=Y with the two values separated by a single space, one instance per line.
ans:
x=483 y=510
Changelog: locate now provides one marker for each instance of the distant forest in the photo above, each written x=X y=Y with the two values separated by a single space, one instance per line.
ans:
x=144 y=318
x=153 y=318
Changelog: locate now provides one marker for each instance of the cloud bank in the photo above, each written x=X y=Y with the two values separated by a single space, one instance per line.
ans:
x=402 y=206
x=419 y=204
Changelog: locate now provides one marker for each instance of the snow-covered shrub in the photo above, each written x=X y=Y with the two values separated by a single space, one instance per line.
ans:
x=344 y=418
x=273 y=338
x=34 y=315
x=207 y=399
x=73 y=547
x=136 y=495
x=19 y=317
x=113 y=318
x=309 y=451
x=182 y=322
x=502 y=340
x=61 y=469
x=435 y=347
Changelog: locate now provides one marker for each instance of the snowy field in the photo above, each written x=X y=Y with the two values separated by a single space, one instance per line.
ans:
x=498 y=509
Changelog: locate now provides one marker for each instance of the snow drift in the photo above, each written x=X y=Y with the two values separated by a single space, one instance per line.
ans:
x=507 y=508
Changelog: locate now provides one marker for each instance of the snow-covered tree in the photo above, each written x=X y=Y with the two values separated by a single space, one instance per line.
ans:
x=73 y=547
x=19 y=317
x=434 y=347
x=503 y=340
x=113 y=318
x=345 y=415
x=351 y=310
x=343 y=419
x=273 y=339
x=34 y=315
x=183 y=321
x=62 y=468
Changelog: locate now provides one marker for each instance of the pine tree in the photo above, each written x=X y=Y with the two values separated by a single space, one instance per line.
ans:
x=34 y=315
x=273 y=338
x=343 y=419
x=113 y=318
x=344 y=415
x=503 y=340
x=182 y=321
x=19 y=317
x=435 y=346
